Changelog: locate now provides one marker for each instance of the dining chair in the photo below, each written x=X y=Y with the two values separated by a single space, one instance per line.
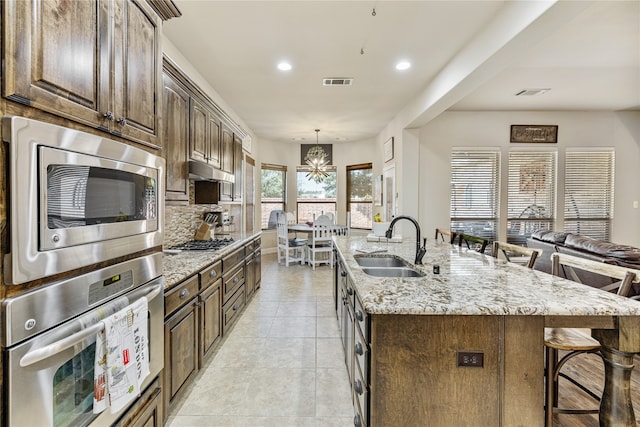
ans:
x=441 y=233
x=479 y=244
x=320 y=246
x=576 y=341
x=323 y=219
x=515 y=253
x=289 y=249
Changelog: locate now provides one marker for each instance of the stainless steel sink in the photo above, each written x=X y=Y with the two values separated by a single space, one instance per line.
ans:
x=380 y=261
x=393 y=272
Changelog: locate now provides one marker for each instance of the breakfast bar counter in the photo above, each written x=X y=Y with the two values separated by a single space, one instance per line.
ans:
x=476 y=305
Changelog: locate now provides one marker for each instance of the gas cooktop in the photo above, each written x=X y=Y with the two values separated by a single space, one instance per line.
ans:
x=203 y=245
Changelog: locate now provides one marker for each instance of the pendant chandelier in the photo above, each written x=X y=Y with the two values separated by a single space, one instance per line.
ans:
x=316 y=159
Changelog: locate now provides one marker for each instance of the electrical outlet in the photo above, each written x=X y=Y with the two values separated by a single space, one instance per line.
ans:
x=472 y=359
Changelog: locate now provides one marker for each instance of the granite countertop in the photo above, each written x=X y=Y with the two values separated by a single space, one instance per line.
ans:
x=179 y=266
x=470 y=283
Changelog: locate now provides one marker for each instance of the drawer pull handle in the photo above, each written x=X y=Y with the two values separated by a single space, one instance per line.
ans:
x=356 y=421
x=235 y=307
x=358 y=386
x=184 y=293
x=343 y=273
x=213 y=273
x=122 y=121
x=108 y=115
x=349 y=291
x=359 y=350
x=359 y=316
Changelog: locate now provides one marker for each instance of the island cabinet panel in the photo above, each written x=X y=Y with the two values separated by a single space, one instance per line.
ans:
x=96 y=62
x=415 y=379
x=175 y=140
x=523 y=339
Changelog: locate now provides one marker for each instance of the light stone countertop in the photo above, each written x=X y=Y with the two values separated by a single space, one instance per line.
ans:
x=470 y=283
x=177 y=267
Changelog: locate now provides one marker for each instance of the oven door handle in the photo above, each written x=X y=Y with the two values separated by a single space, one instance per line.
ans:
x=57 y=347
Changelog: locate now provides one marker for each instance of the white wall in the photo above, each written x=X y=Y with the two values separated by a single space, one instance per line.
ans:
x=491 y=129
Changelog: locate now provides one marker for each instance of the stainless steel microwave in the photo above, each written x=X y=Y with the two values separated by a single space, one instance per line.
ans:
x=76 y=199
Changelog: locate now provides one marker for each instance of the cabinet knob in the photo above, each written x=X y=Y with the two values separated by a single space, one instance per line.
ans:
x=343 y=273
x=108 y=115
x=184 y=293
x=121 y=121
x=359 y=316
x=213 y=273
x=358 y=386
x=359 y=350
x=356 y=421
x=349 y=291
x=235 y=280
x=235 y=307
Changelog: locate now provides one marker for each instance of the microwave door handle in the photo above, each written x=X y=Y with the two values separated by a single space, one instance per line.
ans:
x=52 y=349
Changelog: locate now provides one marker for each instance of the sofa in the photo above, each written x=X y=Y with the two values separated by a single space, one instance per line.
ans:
x=586 y=247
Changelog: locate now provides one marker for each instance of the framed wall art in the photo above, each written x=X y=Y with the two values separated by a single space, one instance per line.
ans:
x=534 y=133
x=388 y=150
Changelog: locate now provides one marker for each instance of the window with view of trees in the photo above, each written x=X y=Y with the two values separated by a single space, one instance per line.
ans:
x=314 y=198
x=475 y=185
x=588 y=193
x=531 y=194
x=274 y=178
x=360 y=195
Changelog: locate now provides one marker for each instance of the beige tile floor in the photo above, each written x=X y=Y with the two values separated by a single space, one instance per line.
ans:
x=281 y=365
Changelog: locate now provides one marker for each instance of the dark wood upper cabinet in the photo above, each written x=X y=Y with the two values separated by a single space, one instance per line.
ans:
x=97 y=62
x=175 y=140
x=226 y=163
x=204 y=142
x=199 y=136
x=237 y=168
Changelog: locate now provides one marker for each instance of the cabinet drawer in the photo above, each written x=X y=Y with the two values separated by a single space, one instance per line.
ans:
x=230 y=261
x=231 y=282
x=232 y=308
x=180 y=295
x=362 y=319
x=209 y=275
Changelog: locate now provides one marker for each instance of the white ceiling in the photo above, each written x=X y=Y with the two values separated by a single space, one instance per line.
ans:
x=588 y=53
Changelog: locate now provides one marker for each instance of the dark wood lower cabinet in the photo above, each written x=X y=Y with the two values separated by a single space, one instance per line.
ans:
x=210 y=320
x=199 y=311
x=181 y=351
x=148 y=409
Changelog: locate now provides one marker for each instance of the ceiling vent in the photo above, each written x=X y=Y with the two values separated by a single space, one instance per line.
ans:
x=337 y=81
x=532 y=92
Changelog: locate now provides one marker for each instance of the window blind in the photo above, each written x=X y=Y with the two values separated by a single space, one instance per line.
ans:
x=588 y=194
x=530 y=194
x=475 y=185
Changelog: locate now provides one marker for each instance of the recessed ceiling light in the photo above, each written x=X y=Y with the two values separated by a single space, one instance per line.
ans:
x=403 y=65
x=297 y=139
x=284 y=66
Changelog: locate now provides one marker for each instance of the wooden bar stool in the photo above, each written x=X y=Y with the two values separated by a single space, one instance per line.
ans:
x=479 y=243
x=515 y=253
x=576 y=341
x=441 y=233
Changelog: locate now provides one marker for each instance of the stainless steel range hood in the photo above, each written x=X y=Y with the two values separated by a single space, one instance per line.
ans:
x=200 y=171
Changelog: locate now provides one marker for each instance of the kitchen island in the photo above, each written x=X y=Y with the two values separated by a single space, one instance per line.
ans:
x=465 y=346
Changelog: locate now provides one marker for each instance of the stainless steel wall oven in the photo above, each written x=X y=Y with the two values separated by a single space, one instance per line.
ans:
x=50 y=342
x=76 y=199
x=85 y=216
